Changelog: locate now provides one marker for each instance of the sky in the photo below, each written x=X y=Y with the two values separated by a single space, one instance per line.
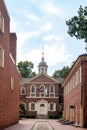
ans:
x=40 y=23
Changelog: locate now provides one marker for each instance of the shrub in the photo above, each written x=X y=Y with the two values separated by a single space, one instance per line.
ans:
x=27 y=116
x=50 y=117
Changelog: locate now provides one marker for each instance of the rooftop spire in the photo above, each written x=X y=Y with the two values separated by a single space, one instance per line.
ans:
x=42 y=67
x=42 y=52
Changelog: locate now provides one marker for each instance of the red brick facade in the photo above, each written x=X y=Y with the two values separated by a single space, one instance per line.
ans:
x=75 y=93
x=43 y=100
x=9 y=75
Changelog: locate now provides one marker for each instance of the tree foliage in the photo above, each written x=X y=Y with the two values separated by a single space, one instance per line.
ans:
x=61 y=73
x=77 y=25
x=22 y=107
x=25 y=69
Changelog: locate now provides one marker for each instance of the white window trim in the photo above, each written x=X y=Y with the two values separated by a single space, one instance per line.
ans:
x=12 y=58
x=2 y=57
x=23 y=87
x=53 y=89
x=12 y=82
x=80 y=74
x=54 y=106
x=30 y=106
x=31 y=89
x=1 y=23
x=44 y=89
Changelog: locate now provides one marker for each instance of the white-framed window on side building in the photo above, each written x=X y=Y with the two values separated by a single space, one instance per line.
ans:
x=1 y=23
x=12 y=82
x=1 y=56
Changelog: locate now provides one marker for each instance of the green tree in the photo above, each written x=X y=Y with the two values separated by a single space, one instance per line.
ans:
x=77 y=25
x=61 y=73
x=22 y=109
x=25 y=69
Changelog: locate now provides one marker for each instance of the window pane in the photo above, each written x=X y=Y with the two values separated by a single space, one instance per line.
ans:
x=52 y=89
x=33 y=89
x=51 y=106
x=1 y=57
x=23 y=90
x=32 y=106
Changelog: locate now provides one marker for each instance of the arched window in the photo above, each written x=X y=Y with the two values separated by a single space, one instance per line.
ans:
x=52 y=89
x=42 y=88
x=1 y=57
x=33 y=89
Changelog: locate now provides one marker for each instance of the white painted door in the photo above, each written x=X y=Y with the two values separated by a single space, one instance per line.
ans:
x=42 y=107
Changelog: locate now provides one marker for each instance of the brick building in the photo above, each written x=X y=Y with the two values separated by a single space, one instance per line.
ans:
x=41 y=94
x=75 y=92
x=9 y=75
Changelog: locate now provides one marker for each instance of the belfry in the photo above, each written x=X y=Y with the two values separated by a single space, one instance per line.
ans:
x=42 y=67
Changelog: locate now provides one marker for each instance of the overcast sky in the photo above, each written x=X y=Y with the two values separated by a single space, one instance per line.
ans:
x=43 y=22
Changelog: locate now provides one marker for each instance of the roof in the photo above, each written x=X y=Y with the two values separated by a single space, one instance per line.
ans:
x=41 y=78
x=79 y=60
x=42 y=63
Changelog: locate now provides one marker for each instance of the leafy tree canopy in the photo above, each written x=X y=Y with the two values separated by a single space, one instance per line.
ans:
x=22 y=107
x=61 y=73
x=77 y=25
x=25 y=69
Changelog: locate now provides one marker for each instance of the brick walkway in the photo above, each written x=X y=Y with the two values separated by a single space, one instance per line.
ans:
x=29 y=124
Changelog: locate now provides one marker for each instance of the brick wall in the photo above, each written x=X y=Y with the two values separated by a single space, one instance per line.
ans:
x=38 y=81
x=9 y=99
x=13 y=39
x=84 y=90
x=78 y=95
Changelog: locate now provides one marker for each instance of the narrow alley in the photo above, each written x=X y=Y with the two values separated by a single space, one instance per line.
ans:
x=41 y=124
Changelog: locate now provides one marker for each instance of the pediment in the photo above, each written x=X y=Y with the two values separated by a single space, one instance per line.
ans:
x=42 y=78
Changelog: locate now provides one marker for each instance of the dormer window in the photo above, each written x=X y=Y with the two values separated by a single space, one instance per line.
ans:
x=1 y=23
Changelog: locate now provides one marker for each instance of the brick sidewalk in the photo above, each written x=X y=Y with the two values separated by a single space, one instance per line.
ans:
x=27 y=124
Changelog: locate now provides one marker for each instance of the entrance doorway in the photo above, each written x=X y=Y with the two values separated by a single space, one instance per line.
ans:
x=42 y=109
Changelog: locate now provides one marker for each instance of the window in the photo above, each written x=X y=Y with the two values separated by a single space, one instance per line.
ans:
x=32 y=106
x=1 y=57
x=51 y=89
x=23 y=90
x=32 y=88
x=52 y=106
x=1 y=23
x=12 y=83
x=42 y=88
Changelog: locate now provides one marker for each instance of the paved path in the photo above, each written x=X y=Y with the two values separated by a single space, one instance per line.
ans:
x=41 y=124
